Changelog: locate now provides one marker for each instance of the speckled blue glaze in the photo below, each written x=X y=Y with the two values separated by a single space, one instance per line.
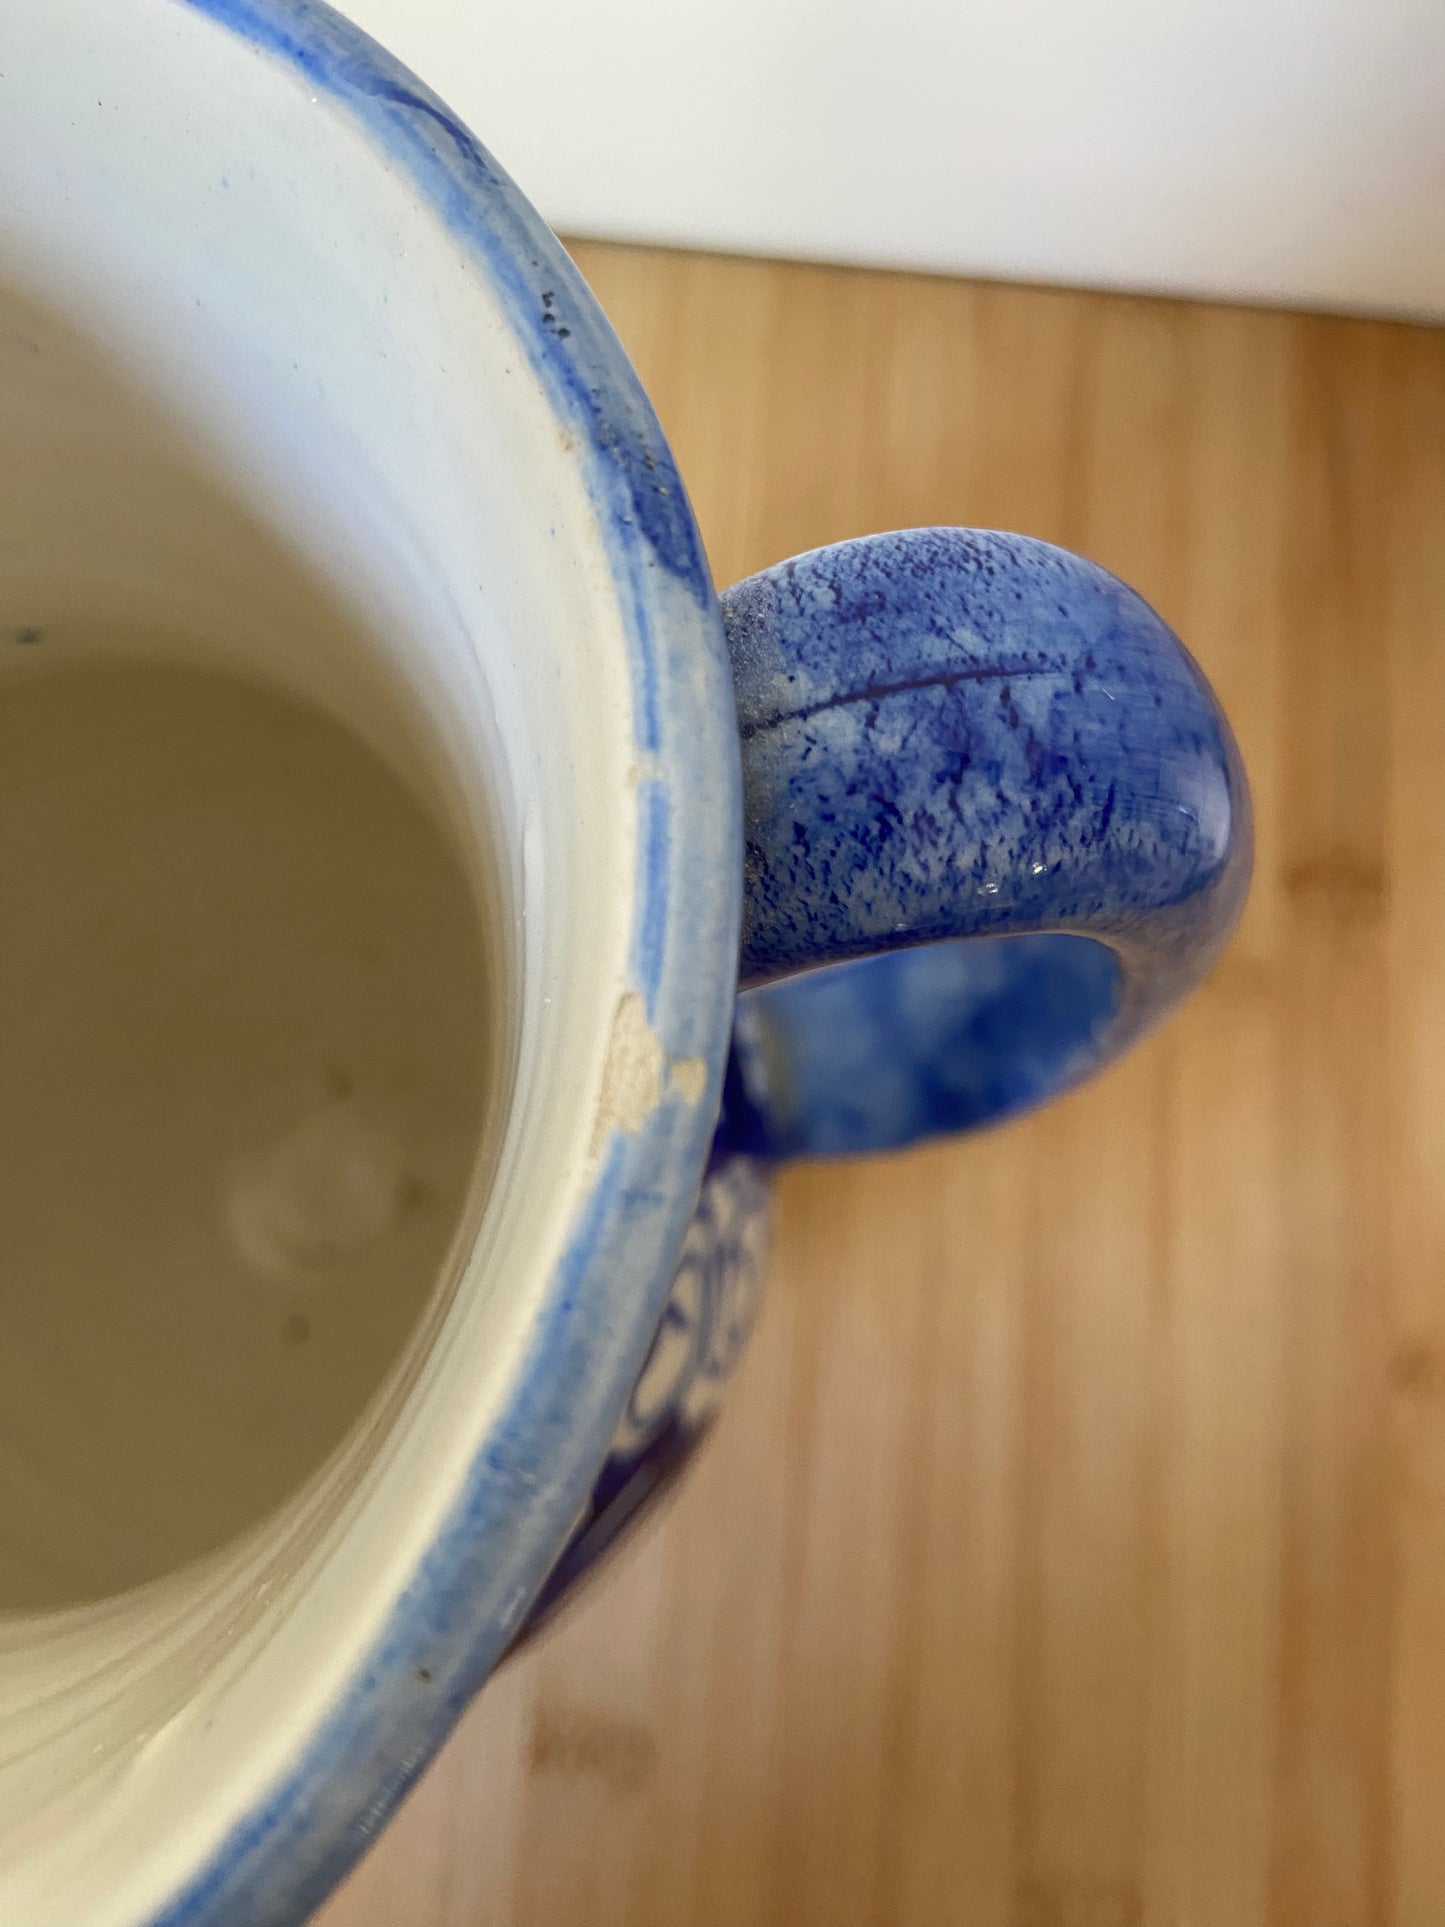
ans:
x=950 y=734
x=916 y=1043
x=943 y=736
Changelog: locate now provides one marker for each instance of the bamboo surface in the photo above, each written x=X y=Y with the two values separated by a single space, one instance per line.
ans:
x=1072 y=1552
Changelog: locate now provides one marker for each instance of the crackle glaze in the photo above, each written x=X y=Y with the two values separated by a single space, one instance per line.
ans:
x=270 y=318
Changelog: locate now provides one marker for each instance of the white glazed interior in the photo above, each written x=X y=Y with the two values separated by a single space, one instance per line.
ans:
x=240 y=358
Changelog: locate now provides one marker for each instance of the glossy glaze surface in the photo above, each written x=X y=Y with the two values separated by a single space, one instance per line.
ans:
x=957 y=734
x=406 y=1606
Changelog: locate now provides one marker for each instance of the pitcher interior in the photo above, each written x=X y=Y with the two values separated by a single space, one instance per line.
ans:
x=315 y=887
x=245 y=999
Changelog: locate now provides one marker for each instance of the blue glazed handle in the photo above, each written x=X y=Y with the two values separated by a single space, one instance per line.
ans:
x=986 y=767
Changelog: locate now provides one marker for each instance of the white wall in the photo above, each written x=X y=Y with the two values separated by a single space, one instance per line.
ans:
x=1273 y=150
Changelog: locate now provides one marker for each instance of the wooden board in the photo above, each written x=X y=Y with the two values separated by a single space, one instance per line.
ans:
x=1072 y=1553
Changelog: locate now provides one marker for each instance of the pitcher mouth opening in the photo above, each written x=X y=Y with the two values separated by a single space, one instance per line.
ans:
x=280 y=898
x=510 y=617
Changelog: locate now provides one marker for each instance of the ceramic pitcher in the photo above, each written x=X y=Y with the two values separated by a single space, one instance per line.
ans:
x=895 y=838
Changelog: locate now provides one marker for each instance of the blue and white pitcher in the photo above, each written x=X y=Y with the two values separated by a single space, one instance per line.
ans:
x=269 y=318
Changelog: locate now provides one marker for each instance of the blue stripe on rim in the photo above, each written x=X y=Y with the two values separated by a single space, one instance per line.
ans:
x=463 y=1605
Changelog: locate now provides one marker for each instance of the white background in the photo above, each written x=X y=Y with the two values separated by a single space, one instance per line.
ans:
x=1275 y=150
